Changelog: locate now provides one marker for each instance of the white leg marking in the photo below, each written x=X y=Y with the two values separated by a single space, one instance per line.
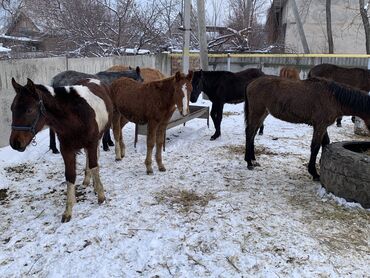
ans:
x=185 y=101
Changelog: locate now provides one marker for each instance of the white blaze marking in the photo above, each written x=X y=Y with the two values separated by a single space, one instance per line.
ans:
x=96 y=103
x=94 y=80
x=185 y=102
x=50 y=89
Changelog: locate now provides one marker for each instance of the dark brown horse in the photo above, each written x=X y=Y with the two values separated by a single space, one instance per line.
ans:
x=148 y=74
x=289 y=72
x=79 y=114
x=151 y=103
x=315 y=101
x=355 y=77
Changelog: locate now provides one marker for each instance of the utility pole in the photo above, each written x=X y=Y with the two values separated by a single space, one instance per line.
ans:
x=300 y=27
x=202 y=35
x=185 y=50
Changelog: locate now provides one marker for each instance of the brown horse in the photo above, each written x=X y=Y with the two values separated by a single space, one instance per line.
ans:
x=289 y=72
x=79 y=115
x=148 y=74
x=355 y=77
x=151 y=103
x=317 y=102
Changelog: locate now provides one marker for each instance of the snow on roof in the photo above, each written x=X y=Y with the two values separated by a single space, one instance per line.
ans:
x=18 y=38
x=4 y=49
x=135 y=51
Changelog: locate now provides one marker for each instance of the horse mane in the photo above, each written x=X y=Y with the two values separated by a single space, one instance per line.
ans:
x=358 y=100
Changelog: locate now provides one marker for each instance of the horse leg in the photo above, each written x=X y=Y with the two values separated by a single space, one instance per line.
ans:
x=339 y=121
x=217 y=118
x=53 y=145
x=325 y=140
x=87 y=177
x=106 y=138
x=317 y=140
x=69 y=157
x=159 y=144
x=250 y=133
x=117 y=133
x=94 y=170
x=109 y=139
x=261 y=129
x=150 y=141
x=123 y=122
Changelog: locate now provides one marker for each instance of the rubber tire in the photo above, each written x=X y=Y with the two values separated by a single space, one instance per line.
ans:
x=346 y=173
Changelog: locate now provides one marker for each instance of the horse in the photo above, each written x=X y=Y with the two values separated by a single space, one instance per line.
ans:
x=148 y=74
x=355 y=77
x=151 y=103
x=222 y=87
x=80 y=114
x=314 y=101
x=289 y=72
x=70 y=77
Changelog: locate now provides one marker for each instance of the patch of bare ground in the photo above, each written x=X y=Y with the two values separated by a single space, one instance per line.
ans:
x=20 y=171
x=229 y=113
x=184 y=201
x=240 y=150
x=339 y=229
x=3 y=195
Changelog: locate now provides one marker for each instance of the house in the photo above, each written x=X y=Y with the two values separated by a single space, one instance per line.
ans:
x=26 y=39
x=347 y=26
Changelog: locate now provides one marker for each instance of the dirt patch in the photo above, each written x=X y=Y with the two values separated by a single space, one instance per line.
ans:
x=184 y=201
x=3 y=195
x=20 y=171
x=228 y=114
x=240 y=150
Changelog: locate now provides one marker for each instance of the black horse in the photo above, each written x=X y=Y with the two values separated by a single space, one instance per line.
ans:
x=70 y=77
x=222 y=87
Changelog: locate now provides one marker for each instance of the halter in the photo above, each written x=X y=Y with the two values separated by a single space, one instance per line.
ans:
x=32 y=128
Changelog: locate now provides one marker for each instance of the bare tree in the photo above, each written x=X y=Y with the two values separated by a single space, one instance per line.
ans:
x=365 y=21
x=328 y=26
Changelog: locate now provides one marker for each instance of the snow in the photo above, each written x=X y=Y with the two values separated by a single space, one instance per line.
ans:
x=18 y=38
x=4 y=49
x=273 y=221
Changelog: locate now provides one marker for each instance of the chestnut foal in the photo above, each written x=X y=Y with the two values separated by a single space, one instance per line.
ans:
x=151 y=103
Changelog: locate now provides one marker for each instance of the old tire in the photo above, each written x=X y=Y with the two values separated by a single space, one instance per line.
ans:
x=345 y=171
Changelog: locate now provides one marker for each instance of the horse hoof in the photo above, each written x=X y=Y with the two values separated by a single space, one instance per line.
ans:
x=260 y=133
x=149 y=172
x=339 y=125
x=162 y=169
x=250 y=167
x=118 y=159
x=105 y=149
x=55 y=151
x=110 y=143
x=101 y=200
x=66 y=218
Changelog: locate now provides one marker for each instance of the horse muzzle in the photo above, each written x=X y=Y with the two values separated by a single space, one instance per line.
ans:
x=19 y=143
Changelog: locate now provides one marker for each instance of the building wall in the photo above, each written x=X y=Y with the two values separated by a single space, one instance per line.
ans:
x=348 y=32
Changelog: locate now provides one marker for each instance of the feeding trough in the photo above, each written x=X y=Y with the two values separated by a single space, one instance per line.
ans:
x=345 y=171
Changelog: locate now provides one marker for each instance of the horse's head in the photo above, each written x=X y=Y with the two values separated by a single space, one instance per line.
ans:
x=183 y=89
x=197 y=84
x=138 y=74
x=28 y=115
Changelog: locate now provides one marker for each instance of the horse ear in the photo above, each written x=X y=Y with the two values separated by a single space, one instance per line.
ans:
x=178 y=76
x=138 y=70
x=190 y=75
x=31 y=85
x=16 y=86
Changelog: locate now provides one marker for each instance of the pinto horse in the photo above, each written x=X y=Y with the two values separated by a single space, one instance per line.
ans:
x=79 y=114
x=222 y=87
x=315 y=101
x=355 y=77
x=151 y=103
x=70 y=77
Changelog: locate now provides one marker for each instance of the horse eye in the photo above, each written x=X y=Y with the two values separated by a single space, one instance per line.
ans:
x=29 y=110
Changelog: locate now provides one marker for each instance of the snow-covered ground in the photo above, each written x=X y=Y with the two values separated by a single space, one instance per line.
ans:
x=207 y=216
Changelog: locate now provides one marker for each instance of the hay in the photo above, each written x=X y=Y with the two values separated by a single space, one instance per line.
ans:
x=183 y=200
x=240 y=150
